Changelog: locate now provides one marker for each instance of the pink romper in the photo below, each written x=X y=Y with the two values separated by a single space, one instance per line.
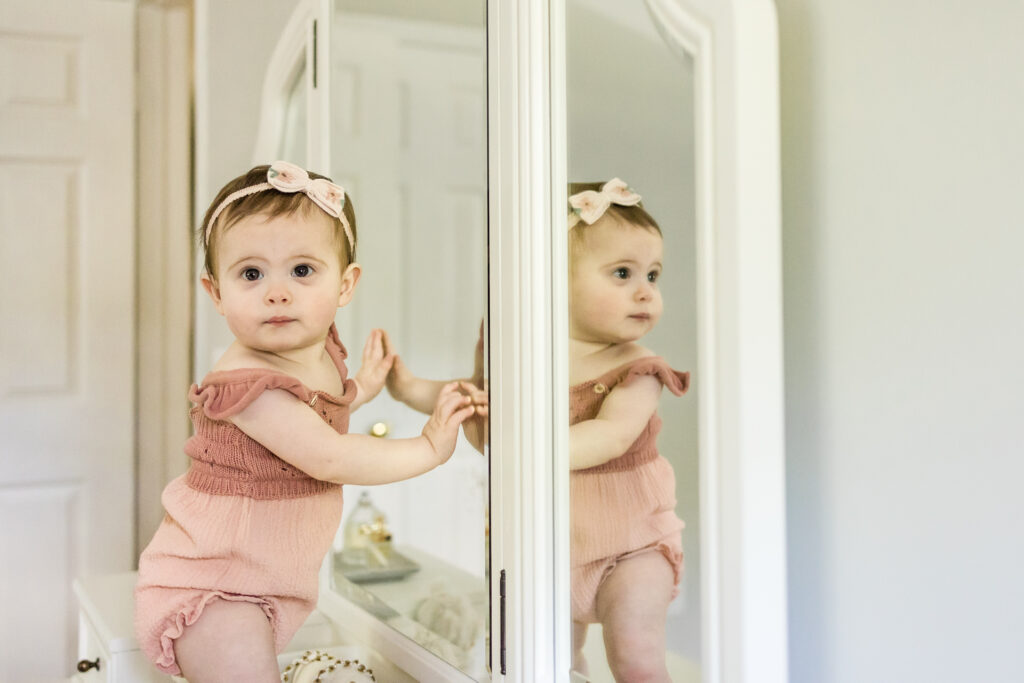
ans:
x=625 y=506
x=241 y=524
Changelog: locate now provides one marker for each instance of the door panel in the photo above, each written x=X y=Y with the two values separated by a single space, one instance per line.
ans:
x=67 y=341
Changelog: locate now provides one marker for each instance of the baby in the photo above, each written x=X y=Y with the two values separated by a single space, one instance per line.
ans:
x=232 y=571
x=626 y=545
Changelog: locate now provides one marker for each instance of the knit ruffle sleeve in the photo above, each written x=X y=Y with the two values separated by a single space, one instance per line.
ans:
x=229 y=392
x=677 y=382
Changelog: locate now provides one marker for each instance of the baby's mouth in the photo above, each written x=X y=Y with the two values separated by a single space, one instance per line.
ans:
x=279 y=320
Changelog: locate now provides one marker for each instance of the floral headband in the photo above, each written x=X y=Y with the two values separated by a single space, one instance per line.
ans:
x=588 y=206
x=287 y=177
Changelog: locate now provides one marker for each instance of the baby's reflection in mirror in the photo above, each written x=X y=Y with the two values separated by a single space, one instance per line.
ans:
x=626 y=542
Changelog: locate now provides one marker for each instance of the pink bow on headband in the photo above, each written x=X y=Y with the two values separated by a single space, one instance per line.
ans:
x=285 y=176
x=590 y=205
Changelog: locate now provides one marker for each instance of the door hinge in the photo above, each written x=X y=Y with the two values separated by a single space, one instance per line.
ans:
x=501 y=607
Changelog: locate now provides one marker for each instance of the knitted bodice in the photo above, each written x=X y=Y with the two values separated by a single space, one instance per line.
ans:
x=226 y=461
x=586 y=398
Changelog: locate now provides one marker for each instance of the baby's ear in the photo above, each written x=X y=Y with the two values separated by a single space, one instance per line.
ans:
x=349 y=279
x=210 y=285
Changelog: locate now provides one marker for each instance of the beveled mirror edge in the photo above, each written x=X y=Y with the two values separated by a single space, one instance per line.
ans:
x=560 y=342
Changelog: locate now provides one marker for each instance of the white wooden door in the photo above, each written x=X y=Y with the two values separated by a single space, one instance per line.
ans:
x=408 y=142
x=67 y=319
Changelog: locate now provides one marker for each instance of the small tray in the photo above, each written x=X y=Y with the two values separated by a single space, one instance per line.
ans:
x=398 y=567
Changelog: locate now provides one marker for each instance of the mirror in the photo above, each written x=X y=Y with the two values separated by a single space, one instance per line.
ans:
x=630 y=114
x=408 y=141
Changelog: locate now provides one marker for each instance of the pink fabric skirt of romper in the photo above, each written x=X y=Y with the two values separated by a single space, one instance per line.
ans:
x=267 y=552
x=616 y=515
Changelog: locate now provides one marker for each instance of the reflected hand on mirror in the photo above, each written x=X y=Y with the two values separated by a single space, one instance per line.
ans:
x=478 y=360
x=442 y=429
x=374 y=369
x=423 y=394
x=475 y=426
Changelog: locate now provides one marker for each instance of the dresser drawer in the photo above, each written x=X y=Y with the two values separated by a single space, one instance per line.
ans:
x=93 y=664
x=105 y=633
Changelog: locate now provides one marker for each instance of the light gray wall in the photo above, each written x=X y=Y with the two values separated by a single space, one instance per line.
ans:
x=903 y=170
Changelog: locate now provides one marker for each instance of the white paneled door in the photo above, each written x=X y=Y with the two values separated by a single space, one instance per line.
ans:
x=411 y=150
x=67 y=320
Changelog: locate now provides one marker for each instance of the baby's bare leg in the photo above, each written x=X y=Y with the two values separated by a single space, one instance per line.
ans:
x=579 y=639
x=632 y=604
x=231 y=642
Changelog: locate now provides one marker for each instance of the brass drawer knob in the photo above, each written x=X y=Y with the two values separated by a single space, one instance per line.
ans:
x=85 y=665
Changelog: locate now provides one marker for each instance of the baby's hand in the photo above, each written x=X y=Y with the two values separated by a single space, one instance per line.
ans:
x=377 y=362
x=442 y=429
x=399 y=380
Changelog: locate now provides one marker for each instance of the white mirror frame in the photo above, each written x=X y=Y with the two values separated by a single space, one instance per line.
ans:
x=733 y=45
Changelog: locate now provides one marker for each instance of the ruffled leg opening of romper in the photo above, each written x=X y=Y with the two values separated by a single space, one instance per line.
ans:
x=674 y=555
x=187 y=615
x=670 y=550
x=587 y=579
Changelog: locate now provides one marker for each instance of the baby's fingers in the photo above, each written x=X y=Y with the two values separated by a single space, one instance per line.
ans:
x=374 y=346
x=450 y=389
x=389 y=346
x=448 y=403
x=462 y=415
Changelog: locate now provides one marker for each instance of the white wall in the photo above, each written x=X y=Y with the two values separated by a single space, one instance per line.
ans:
x=903 y=166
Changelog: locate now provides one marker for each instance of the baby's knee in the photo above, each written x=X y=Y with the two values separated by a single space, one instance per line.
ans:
x=636 y=657
x=638 y=666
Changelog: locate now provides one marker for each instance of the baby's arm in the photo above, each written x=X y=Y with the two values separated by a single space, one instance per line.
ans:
x=416 y=392
x=373 y=371
x=421 y=394
x=295 y=433
x=622 y=418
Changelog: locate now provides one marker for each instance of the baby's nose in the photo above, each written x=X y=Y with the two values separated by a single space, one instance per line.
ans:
x=278 y=294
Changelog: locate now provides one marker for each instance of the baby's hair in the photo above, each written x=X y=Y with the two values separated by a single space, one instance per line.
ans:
x=270 y=203
x=633 y=216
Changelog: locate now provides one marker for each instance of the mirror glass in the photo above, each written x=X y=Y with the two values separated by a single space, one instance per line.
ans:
x=630 y=114
x=408 y=142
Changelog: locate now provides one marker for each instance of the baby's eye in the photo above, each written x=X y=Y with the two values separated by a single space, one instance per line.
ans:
x=653 y=276
x=302 y=270
x=251 y=274
x=621 y=273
